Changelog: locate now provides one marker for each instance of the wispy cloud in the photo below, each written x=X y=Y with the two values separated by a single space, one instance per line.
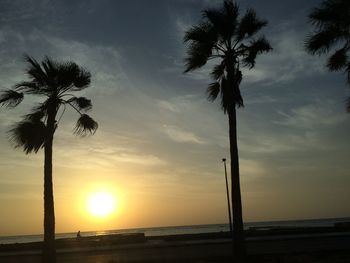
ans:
x=288 y=60
x=179 y=135
x=313 y=116
x=104 y=62
x=167 y=105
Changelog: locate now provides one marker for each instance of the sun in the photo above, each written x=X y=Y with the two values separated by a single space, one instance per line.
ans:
x=101 y=204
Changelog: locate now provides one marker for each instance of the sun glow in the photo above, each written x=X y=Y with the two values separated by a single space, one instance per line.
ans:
x=101 y=204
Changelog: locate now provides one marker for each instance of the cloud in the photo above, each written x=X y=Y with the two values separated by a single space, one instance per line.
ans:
x=166 y=105
x=288 y=60
x=179 y=135
x=260 y=99
x=250 y=168
x=312 y=116
x=141 y=159
x=179 y=104
x=293 y=130
x=266 y=144
x=14 y=10
x=104 y=62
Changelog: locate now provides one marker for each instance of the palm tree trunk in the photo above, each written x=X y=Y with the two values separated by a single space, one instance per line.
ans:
x=49 y=251
x=239 y=250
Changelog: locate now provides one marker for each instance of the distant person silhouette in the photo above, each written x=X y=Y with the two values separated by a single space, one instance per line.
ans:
x=78 y=234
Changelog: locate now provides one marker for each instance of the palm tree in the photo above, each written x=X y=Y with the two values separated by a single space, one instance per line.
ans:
x=54 y=82
x=332 y=24
x=227 y=38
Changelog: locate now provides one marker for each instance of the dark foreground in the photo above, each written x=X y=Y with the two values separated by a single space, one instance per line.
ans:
x=280 y=246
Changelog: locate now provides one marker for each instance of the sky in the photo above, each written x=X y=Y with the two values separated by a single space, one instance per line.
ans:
x=159 y=145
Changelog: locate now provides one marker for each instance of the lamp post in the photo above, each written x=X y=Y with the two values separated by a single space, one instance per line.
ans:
x=228 y=197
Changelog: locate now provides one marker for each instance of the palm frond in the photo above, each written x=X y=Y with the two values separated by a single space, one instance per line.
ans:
x=42 y=77
x=332 y=22
x=32 y=87
x=36 y=72
x=197 y=55
x=249 y=25
x=231 y=10
x=322 y=41
x=338 y=60
x=81 y=103
x=330 y=12
x=218 y=71
x=82 y=81
x=213 y=91
x=50 y=66
x=51 y=69
x=238 y=98
x=66 y=74
x=37 y=114
x=215 y=17
x=29 y=135
x=201 y=39
x=202 y=33
x=10 y=98
x=85 y=126
x=255 y=48
x=223 y=20
x=72 y=77
x=51 y=76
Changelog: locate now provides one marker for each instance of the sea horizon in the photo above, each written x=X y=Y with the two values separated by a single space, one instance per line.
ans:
x=179 y=229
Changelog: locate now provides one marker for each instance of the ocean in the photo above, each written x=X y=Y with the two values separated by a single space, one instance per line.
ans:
x=173 y=230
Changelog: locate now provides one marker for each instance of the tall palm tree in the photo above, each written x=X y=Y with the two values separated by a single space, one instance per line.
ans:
x=228 y=39
x=332 y=31
x=54 y=82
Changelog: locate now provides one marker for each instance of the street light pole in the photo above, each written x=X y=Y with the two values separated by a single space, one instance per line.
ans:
x=228 y=197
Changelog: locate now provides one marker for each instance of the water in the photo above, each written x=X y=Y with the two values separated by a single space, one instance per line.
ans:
x=173 y=230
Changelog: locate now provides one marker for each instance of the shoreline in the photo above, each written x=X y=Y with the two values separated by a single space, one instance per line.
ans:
x=201 y=228
x=252 y=232
x=261 y=245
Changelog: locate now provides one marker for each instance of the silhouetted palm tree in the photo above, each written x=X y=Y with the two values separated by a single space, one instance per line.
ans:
x=55 y=82
x=228 y=38
x=332 y=24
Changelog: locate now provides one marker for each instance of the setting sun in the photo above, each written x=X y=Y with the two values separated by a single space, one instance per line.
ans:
x=101 y=204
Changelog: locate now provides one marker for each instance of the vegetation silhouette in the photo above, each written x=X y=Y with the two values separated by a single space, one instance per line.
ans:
x=332 y=23
x=226 y=36
x=54 y=81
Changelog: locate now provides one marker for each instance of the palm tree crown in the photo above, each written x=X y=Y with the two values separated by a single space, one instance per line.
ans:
x=54 y=82
x=332 y=24
x=222 y=34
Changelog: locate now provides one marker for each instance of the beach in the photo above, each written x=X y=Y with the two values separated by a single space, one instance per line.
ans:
x=314 y=245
